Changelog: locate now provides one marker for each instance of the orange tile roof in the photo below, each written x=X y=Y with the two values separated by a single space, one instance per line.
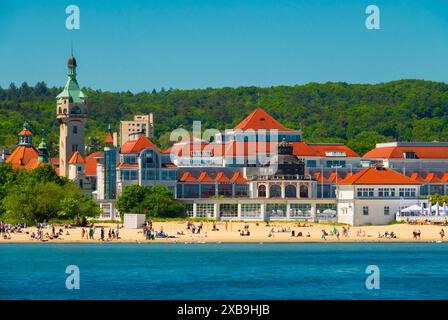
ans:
x=375 y=175
x=187 y=177
x=260 y=119
x=320 y=149
x=432 y=177
x=22 y=155
x=396 y=152
x=237 y=177
x=109 y=138
x=319 y=177
x=444 y=177
x=128 y=165
x=137 y=145
x=204 y=177
x=416 y=176
x=76 y=158
x=221 y=177
x=25 y=133
x=91 y=163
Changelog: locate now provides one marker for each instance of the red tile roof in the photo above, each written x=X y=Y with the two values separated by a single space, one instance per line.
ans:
x=432 y=177
x=238 y=178
x=91 y=163
x=76 y=158
x=416 y=176
x=221 y=177
x=25 y=133
x=22 y=156
x=260 y=119
x=109 y=138
x=396 y=152
x=128 y=165
x=378 y=175
x=137 y=145
x=187 y=177
x=204 y=177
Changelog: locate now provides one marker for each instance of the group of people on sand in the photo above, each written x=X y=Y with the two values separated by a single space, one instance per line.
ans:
x=387 y=234
x=191 y=226
x=336 y=233
x=89 y=233
x=7 y=228
x=245 y=232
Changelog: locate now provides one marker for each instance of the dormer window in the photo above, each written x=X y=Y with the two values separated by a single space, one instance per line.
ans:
x=409 y=155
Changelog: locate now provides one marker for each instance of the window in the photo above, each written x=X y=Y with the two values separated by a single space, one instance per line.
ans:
x=241 y=190
x=335 y=163
x=365 y=211
x=128 y=175
x=409 y=155
x=75 y=129
x=386 y=192
x=299 y=210
x=189 y=210
x=386 y=211
x=365 y=192
x=290 y=191
x=251 y=210
x=205 y=210
x=262 y=191
x=228 y=210
x=276 y=210
x=275 y=191
x=407 y=192
x=311 y=163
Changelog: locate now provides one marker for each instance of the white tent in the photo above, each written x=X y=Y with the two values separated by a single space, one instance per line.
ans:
x=413 y=208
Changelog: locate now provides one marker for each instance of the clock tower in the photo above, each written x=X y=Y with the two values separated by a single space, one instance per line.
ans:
x=71 y=113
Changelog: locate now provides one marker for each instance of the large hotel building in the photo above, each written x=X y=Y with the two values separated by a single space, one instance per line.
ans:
x=259 y=170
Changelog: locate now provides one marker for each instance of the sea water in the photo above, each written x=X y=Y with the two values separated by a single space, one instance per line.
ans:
x=224 y=270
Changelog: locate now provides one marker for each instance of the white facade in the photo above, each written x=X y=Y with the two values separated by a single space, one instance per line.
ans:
x=373 y=204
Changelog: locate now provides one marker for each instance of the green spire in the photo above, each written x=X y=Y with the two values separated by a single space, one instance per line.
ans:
x=43 y=152
x=71 y=88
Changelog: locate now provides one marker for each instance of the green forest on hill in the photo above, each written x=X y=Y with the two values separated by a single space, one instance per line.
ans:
x=359 y=115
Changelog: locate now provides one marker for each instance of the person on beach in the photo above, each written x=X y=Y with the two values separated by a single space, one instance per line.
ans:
x=442 y=234
x=83 y=233
x=91 y=233
x=324 y=234
x=102 y=233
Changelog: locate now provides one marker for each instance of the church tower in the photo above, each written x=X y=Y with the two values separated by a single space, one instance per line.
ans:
x=71 y=113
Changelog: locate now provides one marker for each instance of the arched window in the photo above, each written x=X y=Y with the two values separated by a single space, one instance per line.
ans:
x=75 y=110
x=75 y=129
x=303 y=191
x=60 y=110
x=290 y=191
x=262 y=191
x=275 y=191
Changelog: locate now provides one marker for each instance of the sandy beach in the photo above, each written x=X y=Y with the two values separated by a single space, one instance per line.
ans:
x=259 y=232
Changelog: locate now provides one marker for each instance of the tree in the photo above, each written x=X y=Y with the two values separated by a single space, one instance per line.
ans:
x=46 y=173
x=131 y=199
x=160 y=202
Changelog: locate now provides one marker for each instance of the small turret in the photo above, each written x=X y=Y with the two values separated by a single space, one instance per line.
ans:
x=43 y=152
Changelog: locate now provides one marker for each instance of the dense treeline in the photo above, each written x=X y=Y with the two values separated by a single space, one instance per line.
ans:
x=41 y=195
x=357 y=114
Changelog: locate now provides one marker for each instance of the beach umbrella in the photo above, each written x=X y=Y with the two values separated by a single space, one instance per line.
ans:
x=422 y=209
x=429 y=208
x=437 y=209
x=444 y=209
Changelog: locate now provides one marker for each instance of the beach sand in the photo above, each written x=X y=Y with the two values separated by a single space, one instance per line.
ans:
x=228 y=232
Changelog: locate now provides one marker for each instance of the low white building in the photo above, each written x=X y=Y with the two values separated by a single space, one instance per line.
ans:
x=374 y=195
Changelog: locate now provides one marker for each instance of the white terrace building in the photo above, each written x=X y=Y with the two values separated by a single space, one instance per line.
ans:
x=374 y=195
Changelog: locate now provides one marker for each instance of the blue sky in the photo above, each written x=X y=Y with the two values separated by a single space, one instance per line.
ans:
x=140 y=45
